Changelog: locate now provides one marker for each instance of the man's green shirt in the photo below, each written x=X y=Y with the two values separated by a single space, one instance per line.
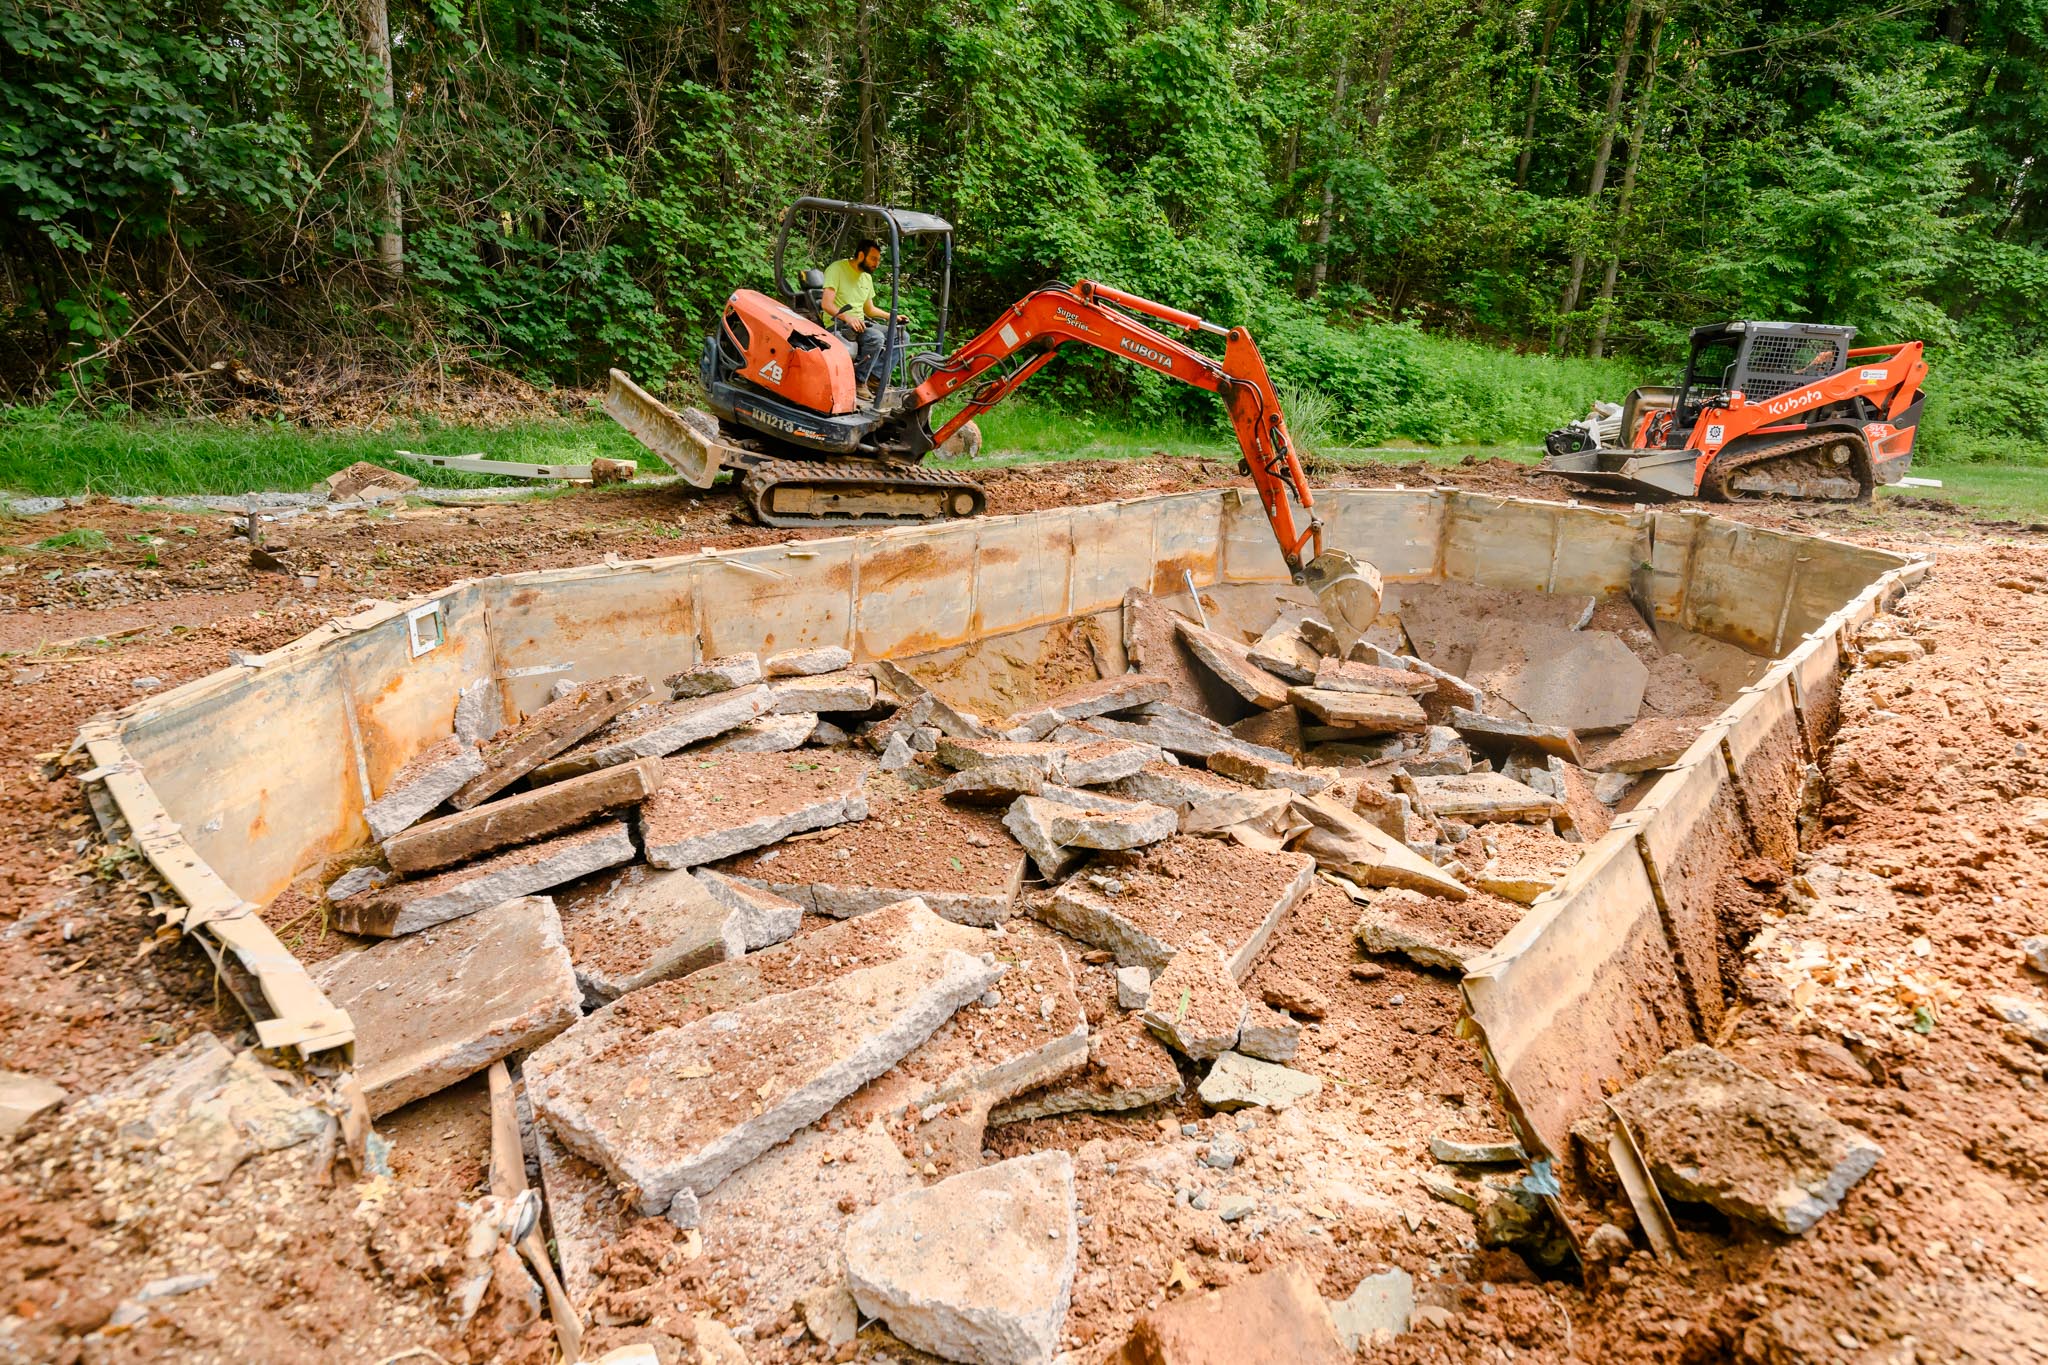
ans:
x=852 y=288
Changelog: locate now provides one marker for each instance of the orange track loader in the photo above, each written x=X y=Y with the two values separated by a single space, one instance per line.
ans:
x=809 y=452
x=1785 y=409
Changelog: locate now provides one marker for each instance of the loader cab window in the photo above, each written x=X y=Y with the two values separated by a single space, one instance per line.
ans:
x=1711 y=372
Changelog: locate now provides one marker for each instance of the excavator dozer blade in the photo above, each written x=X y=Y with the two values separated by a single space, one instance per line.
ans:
x=690 y=447
x=1349 y=592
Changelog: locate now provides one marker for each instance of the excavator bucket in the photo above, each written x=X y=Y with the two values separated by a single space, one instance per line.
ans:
x=1349 y=592
x=687 y=442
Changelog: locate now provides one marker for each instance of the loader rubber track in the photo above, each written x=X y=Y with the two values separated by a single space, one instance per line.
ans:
x=1798 y=461
x=797 y=493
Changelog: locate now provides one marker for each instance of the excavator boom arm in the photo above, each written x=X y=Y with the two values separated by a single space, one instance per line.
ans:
x=1049 y=318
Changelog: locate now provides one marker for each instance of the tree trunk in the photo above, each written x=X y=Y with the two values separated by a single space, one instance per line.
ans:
x=376 y=21
x=1383 y=72
x=1321 y=269
x=870 y=163
x=1639 y=130
x=1551 y=17
x=1601 y=155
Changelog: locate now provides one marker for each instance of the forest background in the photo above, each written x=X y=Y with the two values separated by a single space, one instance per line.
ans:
x=1445 y=220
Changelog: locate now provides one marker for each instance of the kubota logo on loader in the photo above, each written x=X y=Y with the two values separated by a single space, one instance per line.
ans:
x=1789 y=402
x=1146 y=352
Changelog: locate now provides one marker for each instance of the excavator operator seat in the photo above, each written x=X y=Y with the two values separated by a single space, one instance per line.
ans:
x=808 y=298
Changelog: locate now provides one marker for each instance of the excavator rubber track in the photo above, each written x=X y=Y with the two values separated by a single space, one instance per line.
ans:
x=1825 y=466
x=796 y=493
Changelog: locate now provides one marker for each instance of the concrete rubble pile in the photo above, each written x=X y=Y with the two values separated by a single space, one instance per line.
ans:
x=774 y=943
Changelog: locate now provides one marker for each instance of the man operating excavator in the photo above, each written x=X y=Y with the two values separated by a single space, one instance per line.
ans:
x=850 y=306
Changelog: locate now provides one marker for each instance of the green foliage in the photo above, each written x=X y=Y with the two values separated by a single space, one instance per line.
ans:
x=1375 y=186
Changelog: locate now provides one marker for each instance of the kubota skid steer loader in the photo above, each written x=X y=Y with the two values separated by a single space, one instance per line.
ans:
x=1787 y=409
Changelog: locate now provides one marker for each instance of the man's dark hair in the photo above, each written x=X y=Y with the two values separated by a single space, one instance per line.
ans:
x=865 y=245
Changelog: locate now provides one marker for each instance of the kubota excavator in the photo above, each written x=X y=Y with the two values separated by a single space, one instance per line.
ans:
x=1785 y=409
x=808 y=452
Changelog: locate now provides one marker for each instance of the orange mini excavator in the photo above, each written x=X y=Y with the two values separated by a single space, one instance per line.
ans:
x=808 y=452
x=1786 y=409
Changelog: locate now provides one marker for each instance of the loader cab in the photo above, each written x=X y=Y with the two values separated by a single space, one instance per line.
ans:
x=917 y=266
x=1758 y=360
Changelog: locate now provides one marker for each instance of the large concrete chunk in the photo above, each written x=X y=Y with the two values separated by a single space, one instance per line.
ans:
x=1092 y=763
x=1146 y=907
x=1340 y=675
x=1572 y=679
x=1197 y=1009
x=1080 y=819
x=406 y=907
x=1286 y=653
x=1652 y=742
x=715 y=675
x=1717 y=1133
x=768 y=735
x=520 y=819
x=673 y=1108
x=655 y=731
x=1231 y=664
x=957 y=859
x=807 y=663
x=979 y=1267
x=1177 y=736
x=636 y=925
x=1477 y=798
x=434 y=1009
x=1345 y=843
x=1240 y=1082
x=1449 y=623
x=1275 y=1316
x=431 y=777
x=1127 y=1069
x=547 y=732
x=1421 y=928
x=1154 y=648
x=713 y=806
x=846 y=690
x=759 y=917
x=1098 y=698
x=1258 y=772
x=1369 y=713
x=1498 y=732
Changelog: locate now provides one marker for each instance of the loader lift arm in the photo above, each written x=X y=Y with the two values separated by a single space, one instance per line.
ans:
x=1051 y=317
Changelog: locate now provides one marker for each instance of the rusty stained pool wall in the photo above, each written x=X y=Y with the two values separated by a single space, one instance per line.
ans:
x=238 y=782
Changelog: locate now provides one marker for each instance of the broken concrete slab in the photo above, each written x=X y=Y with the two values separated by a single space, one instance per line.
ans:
x=949 y=719
x=479 y=711
x=1177 y=737
x=1072 y=818
x=1133 y=987
x=993 y=784
x=1652 y=742
x=768 y=735
x=1715 y=1132
x=667 y=1108
x=1376 y=1311
x=1238 y=1081
x=979 y=1267
x=1497 y=732
x=1096 y=762
x=520 y=819
x=958 y=859
x=1344 y=842
x=1230 y=662
x=659 y=730
x=1341 y=675
x=1477 y=798
x=1263 y=773
x=636 y=925
x=1273 y=1316
x=1494 y=1152
x=1276 y=730
x=715 y=675
x=1570 y=679
x=1441 y=753
x=1099 y=698
x=564 y=722
x=360 y=477
x=965 y=755
x=427 y=779
x=1449 y=622
x=759 y=918
x=1183 y=789
x=1154 y=648
x=846 y=690
x=397 y=908
x=1367 y=713
x=435 y=1008
x=713 y=806
x=1127 y=1069
x=1144 y=908
x=1416 y=927
x=1522 y=862
x=1197 y=1009
x=1285 y=652
x=24 y=1099
x=807 y=663
x=1268 y=1035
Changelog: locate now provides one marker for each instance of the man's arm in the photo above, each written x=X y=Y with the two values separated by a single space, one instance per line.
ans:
x=832 y=310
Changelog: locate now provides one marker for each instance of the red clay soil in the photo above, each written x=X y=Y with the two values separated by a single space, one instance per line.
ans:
x=1937 y=787
x=911 y=841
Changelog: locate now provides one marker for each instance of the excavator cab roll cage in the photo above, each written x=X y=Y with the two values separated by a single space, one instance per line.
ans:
x=893 y=226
